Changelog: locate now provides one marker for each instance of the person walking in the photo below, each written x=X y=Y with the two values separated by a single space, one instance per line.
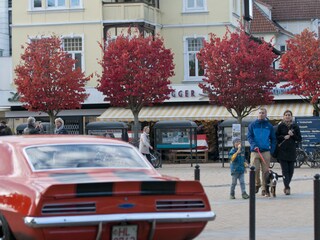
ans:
x=4 y=129
x=237 y=167
x=144 y=145
x=262 y=139
x=288 y=134
x=60 y=129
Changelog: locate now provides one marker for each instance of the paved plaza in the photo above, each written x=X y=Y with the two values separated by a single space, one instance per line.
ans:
x=284 y=217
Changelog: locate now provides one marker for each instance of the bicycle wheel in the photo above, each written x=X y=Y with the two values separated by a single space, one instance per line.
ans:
x=300 y=158
x=309 y=161
x=155 y=159
x=316 y=158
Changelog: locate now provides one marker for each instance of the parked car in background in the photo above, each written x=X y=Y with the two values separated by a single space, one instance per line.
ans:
x=88 y=187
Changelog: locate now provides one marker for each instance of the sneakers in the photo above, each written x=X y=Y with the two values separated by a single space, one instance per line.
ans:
x=245 y=195
x=257 y=188
x=263 y=193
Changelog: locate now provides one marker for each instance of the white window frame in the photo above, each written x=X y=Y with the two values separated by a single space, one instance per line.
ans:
x=44 y=5
x=72 y=53
x=187 y=76
x=195 y=9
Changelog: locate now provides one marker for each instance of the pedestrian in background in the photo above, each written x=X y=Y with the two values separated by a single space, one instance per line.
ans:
x=144 y=145
x=262 y=138
x=288 y=134
x=237 y=167
x=60 y=129
x=33 y=127
x=4 y=129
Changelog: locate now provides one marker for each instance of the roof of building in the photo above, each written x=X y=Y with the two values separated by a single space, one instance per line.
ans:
x=261 y=23
x=284 y=10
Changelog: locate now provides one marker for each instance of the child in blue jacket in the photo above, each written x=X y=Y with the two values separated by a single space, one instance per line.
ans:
x=237 y=167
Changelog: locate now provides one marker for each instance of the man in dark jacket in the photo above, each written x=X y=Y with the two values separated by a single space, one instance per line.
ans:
x=4 y=129
x=262 y=138
x=33 y=127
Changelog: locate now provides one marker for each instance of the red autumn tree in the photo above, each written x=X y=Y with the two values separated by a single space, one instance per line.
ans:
x=46 y=79
x=301 y=67
x=135 y=73
x=238 y=72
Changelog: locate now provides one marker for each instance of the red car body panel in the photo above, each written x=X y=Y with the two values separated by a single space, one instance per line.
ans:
x=84 y=203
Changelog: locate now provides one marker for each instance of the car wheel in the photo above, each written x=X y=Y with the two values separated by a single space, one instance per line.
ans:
x=5 y=232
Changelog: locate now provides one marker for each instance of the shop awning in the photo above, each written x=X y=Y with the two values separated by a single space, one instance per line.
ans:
x=198 y=112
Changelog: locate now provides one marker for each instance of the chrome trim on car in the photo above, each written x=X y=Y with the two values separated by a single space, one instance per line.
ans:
x=165 y=205
x=62 y=221
x=68 y=208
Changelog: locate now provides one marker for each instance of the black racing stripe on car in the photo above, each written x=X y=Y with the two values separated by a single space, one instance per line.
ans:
x=94 y=189
x=158 y=188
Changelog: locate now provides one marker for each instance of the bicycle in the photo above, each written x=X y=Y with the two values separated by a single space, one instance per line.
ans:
x=316 y=154
x=312 y=159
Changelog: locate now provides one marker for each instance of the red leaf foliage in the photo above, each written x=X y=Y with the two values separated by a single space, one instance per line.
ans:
x=136 y=71
x=46 y=80
x=301 y=65
x=238 y=72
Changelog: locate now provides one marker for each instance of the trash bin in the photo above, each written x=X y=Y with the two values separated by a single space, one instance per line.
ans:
x=117 y=130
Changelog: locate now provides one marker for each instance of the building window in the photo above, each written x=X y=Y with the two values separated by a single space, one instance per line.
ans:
x=74 y=47
x=9 y=3
x=55 y=3
x=1 y=52
x=194 y=5
x=282 y=48
x=37 y=4
x=194 y=71
x=74 y=3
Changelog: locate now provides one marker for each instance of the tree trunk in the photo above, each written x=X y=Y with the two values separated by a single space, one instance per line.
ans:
x=136 y=128
x=242 y=136
x=52 y=117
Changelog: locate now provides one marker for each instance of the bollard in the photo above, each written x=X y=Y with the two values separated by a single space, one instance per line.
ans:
x=316 y=190
x=252 y=206
x=197 y=172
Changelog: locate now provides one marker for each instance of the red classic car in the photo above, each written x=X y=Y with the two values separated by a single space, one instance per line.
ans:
x=88 y=187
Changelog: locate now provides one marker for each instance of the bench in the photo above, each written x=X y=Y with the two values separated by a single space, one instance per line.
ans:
x=182 y=156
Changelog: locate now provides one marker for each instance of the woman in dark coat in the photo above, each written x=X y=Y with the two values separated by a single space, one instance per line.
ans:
x=60 y=129
x=288 y=134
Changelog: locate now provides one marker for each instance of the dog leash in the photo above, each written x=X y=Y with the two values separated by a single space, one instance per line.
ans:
x=262 y=158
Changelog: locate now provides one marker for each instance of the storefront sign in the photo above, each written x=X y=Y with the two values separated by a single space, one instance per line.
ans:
x=183 y=93
x=310 y=131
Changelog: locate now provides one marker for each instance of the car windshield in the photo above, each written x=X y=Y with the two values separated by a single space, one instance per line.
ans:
x=48 y=157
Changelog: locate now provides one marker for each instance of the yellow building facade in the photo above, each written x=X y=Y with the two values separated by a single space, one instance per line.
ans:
x=83 y=23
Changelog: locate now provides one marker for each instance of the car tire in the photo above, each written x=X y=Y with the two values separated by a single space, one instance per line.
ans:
x=5 y=232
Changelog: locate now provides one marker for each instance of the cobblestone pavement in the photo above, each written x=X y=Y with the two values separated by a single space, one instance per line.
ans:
x=284 y=217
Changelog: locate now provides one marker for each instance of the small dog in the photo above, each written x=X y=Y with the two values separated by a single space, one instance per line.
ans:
x=271 y=178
